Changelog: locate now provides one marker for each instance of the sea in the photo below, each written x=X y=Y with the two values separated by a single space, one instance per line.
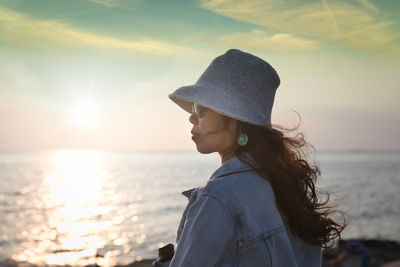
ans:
x=82 y=207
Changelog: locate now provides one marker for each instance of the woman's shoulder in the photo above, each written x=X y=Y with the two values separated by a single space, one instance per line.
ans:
x=249 y=199
x=242 y=190
x=245 y=192
x=240 y=185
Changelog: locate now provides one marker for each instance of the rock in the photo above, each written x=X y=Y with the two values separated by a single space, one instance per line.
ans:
x=13 y=263
x=141 y=263
x=383 y=252
x=392 y=264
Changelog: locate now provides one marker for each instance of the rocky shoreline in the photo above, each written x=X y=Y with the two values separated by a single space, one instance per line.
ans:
x=383 y=253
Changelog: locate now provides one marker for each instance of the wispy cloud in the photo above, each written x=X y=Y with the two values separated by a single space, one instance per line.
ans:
x=257 y=39
x=366 y=4
x=355 y=24
x=107 y=3
x=332 y=17
x=15 y=76
x=20 y=30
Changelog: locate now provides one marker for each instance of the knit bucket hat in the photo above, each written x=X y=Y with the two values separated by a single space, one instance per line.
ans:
x=236 y=84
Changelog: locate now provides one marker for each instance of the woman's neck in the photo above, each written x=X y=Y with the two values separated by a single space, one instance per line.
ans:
x=225 y=156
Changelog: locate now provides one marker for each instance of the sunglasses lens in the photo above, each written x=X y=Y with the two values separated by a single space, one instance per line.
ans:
x=198 y=110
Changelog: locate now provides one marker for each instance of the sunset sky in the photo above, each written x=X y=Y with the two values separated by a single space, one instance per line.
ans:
x=97 y=73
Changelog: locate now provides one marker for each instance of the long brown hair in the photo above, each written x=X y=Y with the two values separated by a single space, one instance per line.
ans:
x=285 y=165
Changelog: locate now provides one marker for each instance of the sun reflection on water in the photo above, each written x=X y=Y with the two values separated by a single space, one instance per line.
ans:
x=76 y=178
x=76 y=183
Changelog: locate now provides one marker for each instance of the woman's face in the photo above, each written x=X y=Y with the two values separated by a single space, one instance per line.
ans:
x=211 y=134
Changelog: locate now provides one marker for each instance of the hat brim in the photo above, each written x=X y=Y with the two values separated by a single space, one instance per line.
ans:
x=209 y=97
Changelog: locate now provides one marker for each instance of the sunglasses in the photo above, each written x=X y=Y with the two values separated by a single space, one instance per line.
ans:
x=198 y=110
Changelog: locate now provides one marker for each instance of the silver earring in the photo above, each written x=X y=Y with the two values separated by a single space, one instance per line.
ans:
x=242 y=139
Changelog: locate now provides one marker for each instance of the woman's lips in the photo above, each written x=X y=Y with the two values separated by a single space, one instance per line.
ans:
x=194 y=135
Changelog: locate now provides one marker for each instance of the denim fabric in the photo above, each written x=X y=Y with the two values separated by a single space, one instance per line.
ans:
x=233 y=221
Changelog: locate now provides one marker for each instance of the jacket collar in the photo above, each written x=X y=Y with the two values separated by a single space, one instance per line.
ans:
x=234 y=165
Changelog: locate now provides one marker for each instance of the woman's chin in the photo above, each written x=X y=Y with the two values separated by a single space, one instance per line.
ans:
x=203 y=150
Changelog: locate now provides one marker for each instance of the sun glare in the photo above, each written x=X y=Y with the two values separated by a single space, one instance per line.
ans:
x=84 y=113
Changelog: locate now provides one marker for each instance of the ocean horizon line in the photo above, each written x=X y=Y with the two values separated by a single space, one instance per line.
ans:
x=349 y=150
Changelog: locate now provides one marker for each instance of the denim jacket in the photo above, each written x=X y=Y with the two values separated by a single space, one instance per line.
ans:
x=234 y=221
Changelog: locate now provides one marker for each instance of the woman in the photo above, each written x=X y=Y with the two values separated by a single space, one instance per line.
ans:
x=260 y=207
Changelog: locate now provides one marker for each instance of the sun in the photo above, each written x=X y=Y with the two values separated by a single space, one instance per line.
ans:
x=85 y=113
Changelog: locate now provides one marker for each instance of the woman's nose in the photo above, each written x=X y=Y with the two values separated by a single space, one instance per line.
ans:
x=194 y=119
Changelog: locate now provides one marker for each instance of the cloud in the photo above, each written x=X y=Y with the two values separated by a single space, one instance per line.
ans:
x=107 y=3
x=14 y=75
x=19 y=30
x=367 y=5
x=355 y=25
x=257 y=39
